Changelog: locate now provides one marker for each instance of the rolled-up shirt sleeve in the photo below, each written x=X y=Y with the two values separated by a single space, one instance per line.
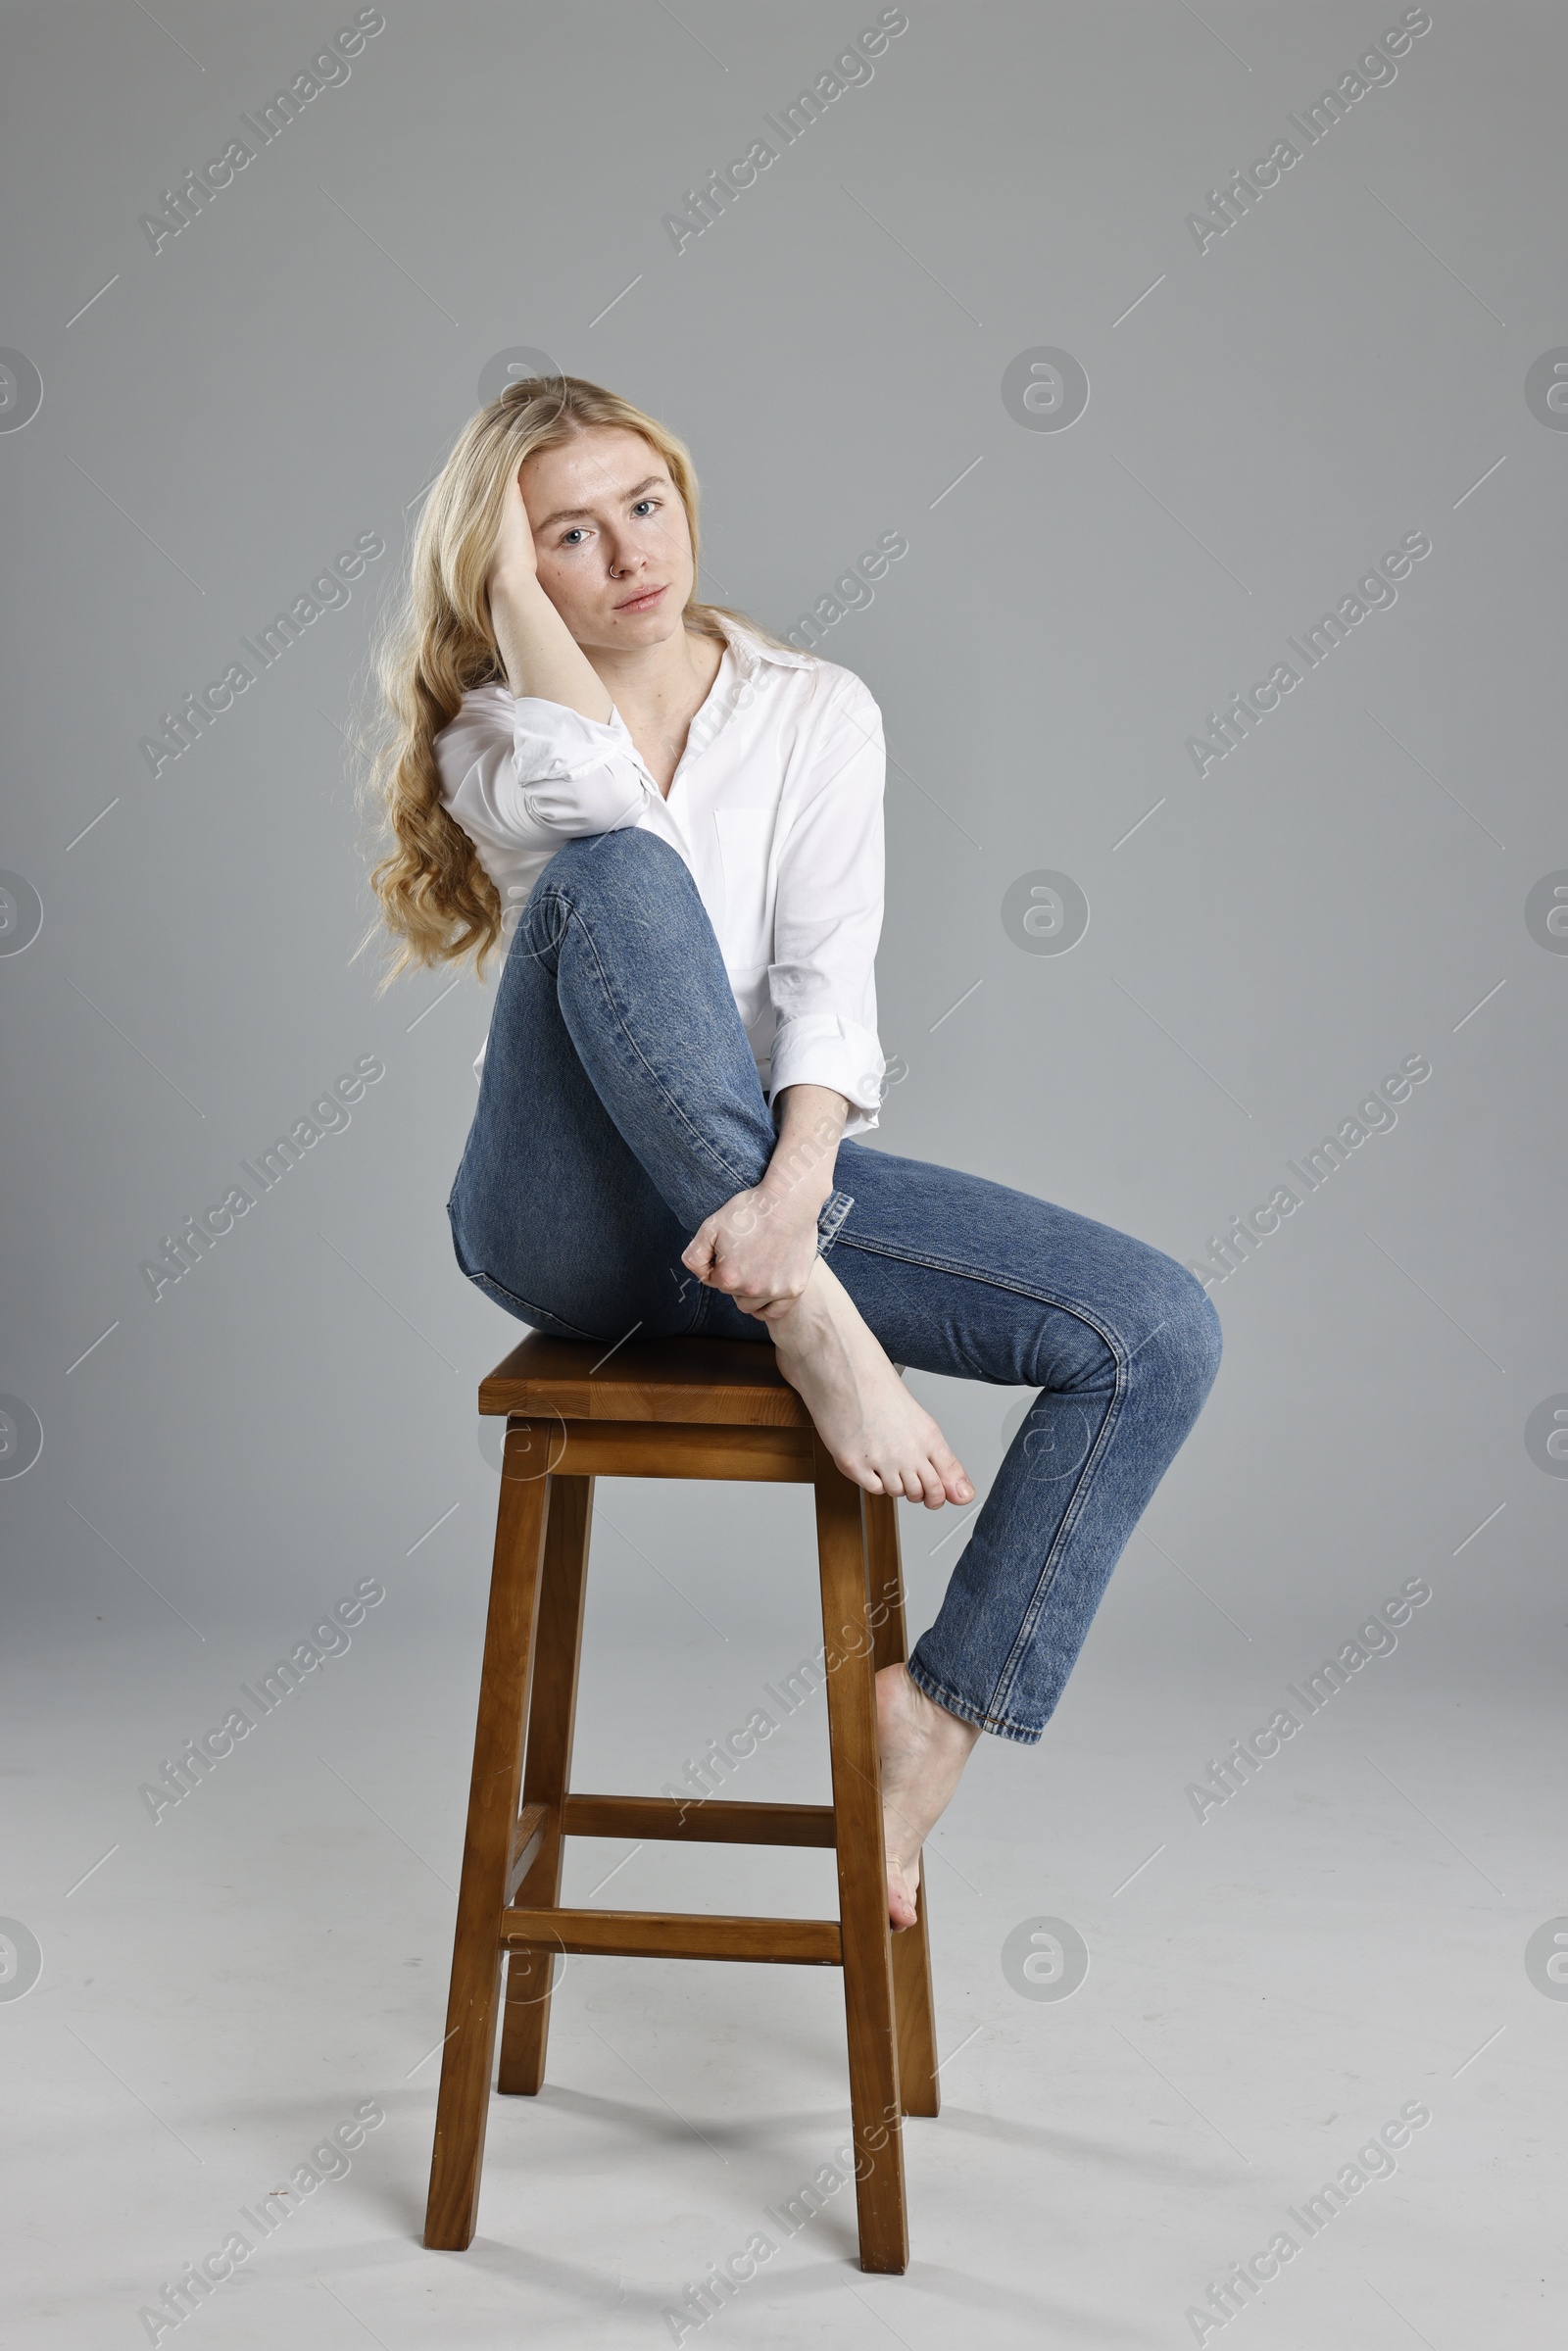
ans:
x=538 y=773
x=828 y=917
x=578 y=775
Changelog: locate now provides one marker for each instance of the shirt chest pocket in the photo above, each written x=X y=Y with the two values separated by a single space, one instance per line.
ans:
x=744 y=839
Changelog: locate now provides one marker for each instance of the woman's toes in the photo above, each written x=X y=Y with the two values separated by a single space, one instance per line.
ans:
x=954 y=1478
x=864 y=1473
x=902 y=1910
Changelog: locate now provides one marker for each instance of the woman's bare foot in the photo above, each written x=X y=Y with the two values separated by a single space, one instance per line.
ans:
x=923 y=1750
x=865 y=1416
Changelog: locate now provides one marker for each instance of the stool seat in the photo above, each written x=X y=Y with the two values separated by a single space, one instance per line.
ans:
x=729 y=1381
x=702 y=1408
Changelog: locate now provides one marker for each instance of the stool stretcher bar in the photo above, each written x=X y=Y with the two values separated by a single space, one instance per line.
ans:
x=674 y=1935
x=706 y=1820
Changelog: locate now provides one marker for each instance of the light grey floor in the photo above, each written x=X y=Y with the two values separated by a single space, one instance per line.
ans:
x=1265 y=1989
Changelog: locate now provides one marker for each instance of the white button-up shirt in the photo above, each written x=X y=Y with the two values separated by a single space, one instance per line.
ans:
x=776 y=807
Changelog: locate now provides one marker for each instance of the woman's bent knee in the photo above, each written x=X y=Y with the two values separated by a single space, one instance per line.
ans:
x=626 y=887
x=608 y=864
x=1195 y=1330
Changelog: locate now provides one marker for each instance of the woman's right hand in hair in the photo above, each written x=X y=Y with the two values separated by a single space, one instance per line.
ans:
x=538 y=652
x=516 y=559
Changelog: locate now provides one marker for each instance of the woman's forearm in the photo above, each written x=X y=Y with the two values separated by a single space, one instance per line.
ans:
x=810 y=1125
x=541 y=656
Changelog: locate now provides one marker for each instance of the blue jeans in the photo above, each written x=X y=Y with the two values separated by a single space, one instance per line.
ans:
x=619 y=1105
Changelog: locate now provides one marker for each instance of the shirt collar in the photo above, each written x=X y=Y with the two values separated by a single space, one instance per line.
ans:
x=749 y=650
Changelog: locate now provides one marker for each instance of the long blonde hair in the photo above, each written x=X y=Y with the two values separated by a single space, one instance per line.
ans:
x=437 y=644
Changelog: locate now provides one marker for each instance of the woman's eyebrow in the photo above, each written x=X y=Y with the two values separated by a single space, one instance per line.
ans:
x=579 y=514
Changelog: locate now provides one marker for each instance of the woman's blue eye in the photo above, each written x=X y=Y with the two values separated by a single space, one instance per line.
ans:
x=576 y=529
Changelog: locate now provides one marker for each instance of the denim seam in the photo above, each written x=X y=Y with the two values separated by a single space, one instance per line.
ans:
x=529 y=1305
x=705 y=1298
x=1051 y=1565
x=975 y=1273
x=662 y=1091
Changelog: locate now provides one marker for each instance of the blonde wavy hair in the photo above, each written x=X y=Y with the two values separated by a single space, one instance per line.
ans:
x=437 y=644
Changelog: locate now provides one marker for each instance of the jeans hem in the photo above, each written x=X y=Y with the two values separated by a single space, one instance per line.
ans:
x=951 y=1703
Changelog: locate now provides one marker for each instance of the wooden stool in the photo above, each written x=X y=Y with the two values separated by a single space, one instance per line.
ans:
x=679 y=1408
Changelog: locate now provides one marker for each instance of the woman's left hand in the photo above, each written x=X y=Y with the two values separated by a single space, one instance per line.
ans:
x=759 y=1249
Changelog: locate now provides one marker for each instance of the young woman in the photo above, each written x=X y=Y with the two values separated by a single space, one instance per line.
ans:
x=671 y=822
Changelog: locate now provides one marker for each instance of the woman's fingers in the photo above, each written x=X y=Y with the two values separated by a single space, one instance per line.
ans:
x=518 y=529
x=754 y=1256
x=698 y=1255
x=515 y=549
x=752 y=1301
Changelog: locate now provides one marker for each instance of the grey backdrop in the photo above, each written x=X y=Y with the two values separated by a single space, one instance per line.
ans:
x=845 y=349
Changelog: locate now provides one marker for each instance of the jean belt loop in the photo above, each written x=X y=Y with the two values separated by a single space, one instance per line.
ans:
x=834 y=1212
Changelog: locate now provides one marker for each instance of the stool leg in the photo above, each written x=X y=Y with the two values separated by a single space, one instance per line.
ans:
x=547 y=1774
x=463 y=2101
x=862 y=1870
x=918 y=2087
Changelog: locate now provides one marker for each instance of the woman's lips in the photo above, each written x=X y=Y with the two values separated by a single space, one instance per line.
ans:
x=641 y=604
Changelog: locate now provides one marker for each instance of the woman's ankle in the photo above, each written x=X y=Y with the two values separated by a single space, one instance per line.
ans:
x=937 y=1722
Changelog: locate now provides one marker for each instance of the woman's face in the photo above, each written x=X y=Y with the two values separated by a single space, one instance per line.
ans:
x=610 y=532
